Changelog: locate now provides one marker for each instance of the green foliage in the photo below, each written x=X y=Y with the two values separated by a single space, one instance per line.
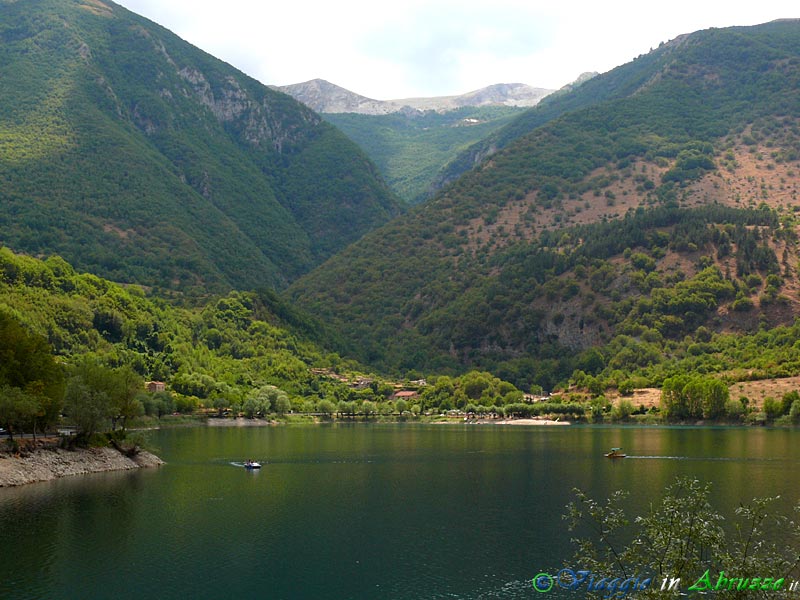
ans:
x=690 y=164
x=282 y=405
x=642 y=261
x=788 y=399
x=204 y=198
x=140 y=158
x=20 y=410
x=669 y=90
x=681 y=537
x=157 y=404
x=794 y=412
x=494 y=314
x=478 y=278
x=26 y=360
x=626 y=387
x=685 y=397
x=326 y=407
x=772 y=407
x=410 y=148
x=234 y=349
x=734 y=409
x=477 y=388
x=31 y=382
x=98 y=397
x=622 y=410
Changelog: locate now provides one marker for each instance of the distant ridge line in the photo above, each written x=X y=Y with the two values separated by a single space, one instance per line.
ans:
x=326 y=97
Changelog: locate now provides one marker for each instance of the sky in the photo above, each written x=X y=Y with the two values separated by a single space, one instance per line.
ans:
x=418 y=48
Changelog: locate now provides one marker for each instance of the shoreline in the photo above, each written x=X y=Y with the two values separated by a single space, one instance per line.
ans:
x=309 y=419
x=48 y=463
x=544 y=422
x=245 y=422
x=535 y=422
x=239 y=422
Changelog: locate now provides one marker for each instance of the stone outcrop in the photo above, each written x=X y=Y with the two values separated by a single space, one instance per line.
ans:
x=46 y=463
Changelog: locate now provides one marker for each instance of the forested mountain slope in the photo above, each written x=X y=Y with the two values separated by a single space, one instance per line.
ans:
x=410 y=147
x=141 y=158
x=664 y=208
x=622 y=82
x=227 y=348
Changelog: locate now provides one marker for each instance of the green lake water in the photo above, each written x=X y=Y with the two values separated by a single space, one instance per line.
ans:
x=357 y=511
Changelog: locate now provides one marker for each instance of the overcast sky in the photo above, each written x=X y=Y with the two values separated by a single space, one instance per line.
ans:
x=389 y=50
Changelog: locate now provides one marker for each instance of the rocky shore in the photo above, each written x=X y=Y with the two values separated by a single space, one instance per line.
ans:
x=45 y=462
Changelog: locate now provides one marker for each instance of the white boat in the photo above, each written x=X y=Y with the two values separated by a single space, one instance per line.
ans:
x=251 y=464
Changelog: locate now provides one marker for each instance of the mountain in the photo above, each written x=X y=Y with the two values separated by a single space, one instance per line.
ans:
x=551 y=107
x=325 y=97
x=141 y=158
x=413 y=140
x=640 y=218
x=499 y=94
x=411 y=147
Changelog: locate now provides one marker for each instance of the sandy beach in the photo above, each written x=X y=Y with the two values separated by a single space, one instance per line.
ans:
x=529 y=422
x=239 y=422
x=538 y=422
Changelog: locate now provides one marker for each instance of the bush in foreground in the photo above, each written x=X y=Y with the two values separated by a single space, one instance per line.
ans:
x=683 y=537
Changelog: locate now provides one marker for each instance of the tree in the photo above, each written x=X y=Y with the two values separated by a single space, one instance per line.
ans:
x=772 y=407
x=19 y=410
x=694 y=393
x=326 y=407
x=368 y=408
x=87 y=406
x=475 y=383
x=264 y=398
x=680 y=538
x=158 y=404
x=673 y=400
x=282 y=404
x=220 y=403
x=267 y=398
x=27 y=365
x=98 y=396
x=126 y=385
x=622 y=410
x=716 y=396
x=249 y=408
x=734 y=409
x=683 y=397
x=789 y=398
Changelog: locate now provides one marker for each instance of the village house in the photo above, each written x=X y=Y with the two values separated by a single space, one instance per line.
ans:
x=155 y=386
x=405 y=395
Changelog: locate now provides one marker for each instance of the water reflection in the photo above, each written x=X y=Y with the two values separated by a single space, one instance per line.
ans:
x=357 y=511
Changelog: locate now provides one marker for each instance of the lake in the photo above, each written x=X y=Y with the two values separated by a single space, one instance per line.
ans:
x=357 y=511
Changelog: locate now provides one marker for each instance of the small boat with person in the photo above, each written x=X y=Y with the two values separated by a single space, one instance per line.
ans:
x=251 y=464
x=615 y=453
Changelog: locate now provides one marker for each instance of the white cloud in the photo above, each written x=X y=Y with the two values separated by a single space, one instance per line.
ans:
x=436 y=47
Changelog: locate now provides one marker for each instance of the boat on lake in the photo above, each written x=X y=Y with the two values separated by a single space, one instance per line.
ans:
x=615 y=453
x=251 y=464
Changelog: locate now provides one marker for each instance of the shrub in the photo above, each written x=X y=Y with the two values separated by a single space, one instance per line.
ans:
x=622 y=410
x=626 y=387
x=734 y=409
x=772 y=408
x=794 y=412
